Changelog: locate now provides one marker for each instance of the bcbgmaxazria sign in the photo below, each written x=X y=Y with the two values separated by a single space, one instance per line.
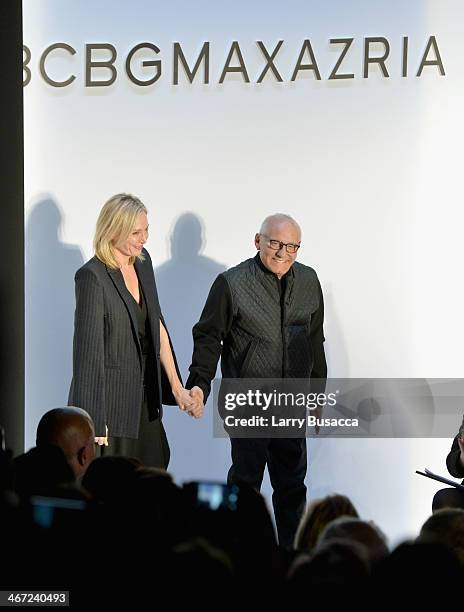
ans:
x=375 y=53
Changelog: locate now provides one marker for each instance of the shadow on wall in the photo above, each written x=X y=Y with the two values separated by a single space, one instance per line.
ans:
x=183 y=285
x=50 y=269
x=338 y=365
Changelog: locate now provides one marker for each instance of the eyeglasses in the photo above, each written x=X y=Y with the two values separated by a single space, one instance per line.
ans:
x=277 y=245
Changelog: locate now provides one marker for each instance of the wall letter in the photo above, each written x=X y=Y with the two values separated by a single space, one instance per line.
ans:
x=312 y=66
x=145 y=63
x=347 y=42
x=436 y=62
x=89 y=64
x=44 y=56
x=376 y=60
x=179 y=54
x=235 y=47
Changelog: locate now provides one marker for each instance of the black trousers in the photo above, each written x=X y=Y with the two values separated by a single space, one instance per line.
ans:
x=151 y=447
x=286 y=460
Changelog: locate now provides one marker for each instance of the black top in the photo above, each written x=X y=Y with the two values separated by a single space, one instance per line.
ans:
x=142 y=322
x=148 y=353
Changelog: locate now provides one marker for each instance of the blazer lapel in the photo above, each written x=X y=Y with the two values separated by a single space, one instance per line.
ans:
x=118 y=281
x=146 y=280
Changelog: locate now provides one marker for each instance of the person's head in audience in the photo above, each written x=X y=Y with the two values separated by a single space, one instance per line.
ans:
x=318 y=515
x=367 y=534
x=446 y=527
x=160 y=507
x=108 y=478
x=193 y=560
x=72 y=430
x=423 y=570
x=43 y=470
x=449 y=497
x=336 y=564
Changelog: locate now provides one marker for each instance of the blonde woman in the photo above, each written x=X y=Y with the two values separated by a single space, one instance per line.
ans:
x=124 y=366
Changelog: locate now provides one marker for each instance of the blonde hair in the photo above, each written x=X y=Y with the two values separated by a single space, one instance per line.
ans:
x=115 y=222
x=318 y=515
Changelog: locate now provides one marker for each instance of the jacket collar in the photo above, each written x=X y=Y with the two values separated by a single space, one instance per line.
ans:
x=268 y=275
x=147 y=283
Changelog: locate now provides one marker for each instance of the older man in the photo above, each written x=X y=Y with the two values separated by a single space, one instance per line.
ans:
x=73 y=431
x=266 y=318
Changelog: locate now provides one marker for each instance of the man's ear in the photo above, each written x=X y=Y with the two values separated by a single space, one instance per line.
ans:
x=257 y=237
x=81 y=456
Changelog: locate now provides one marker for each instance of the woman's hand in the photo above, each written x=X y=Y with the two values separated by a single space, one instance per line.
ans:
x=102 y=440
x=183 y=399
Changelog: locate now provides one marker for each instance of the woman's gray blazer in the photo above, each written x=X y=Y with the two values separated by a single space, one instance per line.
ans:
x=107 y=358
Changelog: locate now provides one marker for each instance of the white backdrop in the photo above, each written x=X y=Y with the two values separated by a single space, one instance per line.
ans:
x=370 y=167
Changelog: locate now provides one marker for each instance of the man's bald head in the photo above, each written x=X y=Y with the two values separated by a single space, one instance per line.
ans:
x=278 y=219
x=73 y=431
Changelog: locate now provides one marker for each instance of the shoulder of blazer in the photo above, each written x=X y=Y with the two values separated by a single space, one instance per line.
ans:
x=93 y=270
x=147 y=257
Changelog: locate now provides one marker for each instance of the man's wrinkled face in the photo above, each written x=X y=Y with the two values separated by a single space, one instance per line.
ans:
x=278 y=261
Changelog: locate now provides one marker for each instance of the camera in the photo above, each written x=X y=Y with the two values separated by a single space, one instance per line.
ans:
x=213 y=495
x=50 y=512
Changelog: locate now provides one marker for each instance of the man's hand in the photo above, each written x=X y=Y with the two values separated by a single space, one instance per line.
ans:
x=196 y=410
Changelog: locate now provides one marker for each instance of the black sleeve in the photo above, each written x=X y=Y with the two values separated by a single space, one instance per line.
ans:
x=88 y=383
x=453 y=462
x=208 y=334
x=316 y=333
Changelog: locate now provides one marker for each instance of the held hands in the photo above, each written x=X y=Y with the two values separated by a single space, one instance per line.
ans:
x=191 y=401
x=197 y=395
